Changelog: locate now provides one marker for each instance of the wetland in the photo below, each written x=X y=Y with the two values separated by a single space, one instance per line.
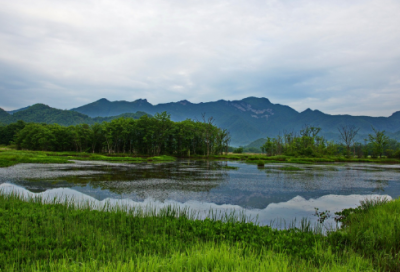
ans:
x=166 y=213
x=273 y=192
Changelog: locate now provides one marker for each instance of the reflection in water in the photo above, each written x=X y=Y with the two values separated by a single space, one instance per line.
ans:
x=207 y=181
x=279 y=215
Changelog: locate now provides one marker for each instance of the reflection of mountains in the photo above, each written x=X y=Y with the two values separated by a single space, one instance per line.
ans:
x=142 y=179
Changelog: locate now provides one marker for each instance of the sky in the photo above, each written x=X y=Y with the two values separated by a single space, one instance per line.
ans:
x=338 y=56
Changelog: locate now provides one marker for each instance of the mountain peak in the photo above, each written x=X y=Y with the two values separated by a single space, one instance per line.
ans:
x=256 y=100
x=141 y=101
x=103 y=100
x=184 y=102
x=39 y=106
x=310 y=110
x=395 y=115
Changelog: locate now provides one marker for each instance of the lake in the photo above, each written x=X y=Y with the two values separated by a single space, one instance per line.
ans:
x=271 y=194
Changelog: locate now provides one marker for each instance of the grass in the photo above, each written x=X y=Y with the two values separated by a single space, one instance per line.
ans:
x=290 y=168
x=9 y=157
x=373 y=230
x=228 y=167
x=49 y=236
x=209 y=257
x=254 y=158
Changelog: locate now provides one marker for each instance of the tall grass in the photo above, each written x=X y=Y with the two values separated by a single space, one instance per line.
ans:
x=212 y=257
x=41 y=236
x=372 y=230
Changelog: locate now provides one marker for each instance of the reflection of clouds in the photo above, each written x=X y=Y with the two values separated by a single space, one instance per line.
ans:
x=295 y=208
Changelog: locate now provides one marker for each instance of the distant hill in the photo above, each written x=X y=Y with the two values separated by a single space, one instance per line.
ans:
x=5 y=118
x=14 y=111
x=135 y=115
x=40 y=113
x=248 y=119
x=257 y=143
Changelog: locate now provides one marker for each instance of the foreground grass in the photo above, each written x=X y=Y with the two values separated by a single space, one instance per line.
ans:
x=9 y=157
x=60 y=237
x=210 y=257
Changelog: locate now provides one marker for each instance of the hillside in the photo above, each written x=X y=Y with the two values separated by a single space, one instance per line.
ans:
x=5 y=118
x=248 y=119
x=40 y=113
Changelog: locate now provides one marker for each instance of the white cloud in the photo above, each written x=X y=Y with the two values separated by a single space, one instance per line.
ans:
x=318 y=54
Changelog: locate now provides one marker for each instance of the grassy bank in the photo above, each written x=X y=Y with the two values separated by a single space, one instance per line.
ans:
x=9 y=157
x=259 y=158
x=59 y=237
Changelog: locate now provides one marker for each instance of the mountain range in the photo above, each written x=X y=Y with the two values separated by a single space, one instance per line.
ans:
x=247 y=120
x=40 y=113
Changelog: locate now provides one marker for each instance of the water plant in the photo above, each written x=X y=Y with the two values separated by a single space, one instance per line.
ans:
x=290 y=168
x=228 y=167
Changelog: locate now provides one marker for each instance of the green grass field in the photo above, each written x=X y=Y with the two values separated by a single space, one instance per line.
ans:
x=62 y=237
x=9 y=157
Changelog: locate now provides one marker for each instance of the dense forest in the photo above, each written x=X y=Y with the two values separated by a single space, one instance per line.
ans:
x=156 y=135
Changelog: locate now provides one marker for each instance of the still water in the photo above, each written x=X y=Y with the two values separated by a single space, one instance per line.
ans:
x=269 y=193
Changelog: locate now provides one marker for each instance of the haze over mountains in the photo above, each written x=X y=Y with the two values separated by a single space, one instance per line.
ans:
x=247 y=120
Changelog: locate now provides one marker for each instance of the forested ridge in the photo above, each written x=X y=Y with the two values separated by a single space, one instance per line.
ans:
x=40 y=113
x=156 y=135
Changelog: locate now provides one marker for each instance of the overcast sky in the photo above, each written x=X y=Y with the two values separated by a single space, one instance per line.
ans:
x=338 y=56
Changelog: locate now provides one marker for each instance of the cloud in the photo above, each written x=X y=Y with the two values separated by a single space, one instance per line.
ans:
x=336 y=56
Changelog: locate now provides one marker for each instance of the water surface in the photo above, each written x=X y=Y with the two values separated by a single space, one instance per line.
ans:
x=268 y=192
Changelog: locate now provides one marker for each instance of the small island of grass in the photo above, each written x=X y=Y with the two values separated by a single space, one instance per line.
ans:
x=290 y=168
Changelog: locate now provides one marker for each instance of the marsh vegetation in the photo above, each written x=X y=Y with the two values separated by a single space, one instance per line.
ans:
x=61 y=236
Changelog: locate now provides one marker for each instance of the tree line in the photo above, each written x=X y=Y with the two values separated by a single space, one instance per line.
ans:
x=307 y=142
x=152 y=136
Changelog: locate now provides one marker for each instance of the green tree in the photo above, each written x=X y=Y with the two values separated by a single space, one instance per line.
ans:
x=379 y=141
x=347 y=134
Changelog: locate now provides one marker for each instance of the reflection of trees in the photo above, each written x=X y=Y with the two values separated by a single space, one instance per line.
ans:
x=380 y=185
x=146 y=179
x=328 y=178
x=303 y=180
